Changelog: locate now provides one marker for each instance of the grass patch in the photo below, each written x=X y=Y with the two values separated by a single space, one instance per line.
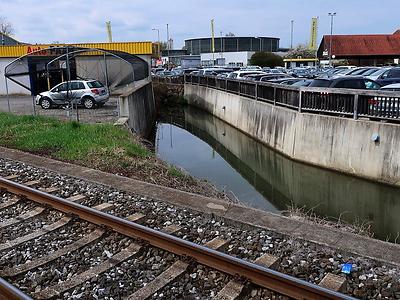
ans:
x=67 y=140
x=172 y=171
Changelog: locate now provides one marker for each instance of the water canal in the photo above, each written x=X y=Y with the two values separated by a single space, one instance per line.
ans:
x=211 y=149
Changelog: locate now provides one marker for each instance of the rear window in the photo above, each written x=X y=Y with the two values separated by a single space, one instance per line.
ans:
x=94 y=84
x=320 y=83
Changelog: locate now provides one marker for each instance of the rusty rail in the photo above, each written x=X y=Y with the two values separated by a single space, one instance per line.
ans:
x=256 y=274
x=10 y=292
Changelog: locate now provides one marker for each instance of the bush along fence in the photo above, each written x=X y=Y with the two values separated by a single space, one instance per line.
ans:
x=372 y=104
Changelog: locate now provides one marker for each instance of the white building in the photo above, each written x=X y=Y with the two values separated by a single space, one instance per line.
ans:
x=232 y=59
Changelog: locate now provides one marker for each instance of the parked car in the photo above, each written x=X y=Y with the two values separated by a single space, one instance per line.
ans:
x=241 y=74
x=290 y=81
x=89 y=93
x=303 y=82
x=212 y=71
x=395 y=87
x=348 y=82
x=269 y=77
x=390 y=76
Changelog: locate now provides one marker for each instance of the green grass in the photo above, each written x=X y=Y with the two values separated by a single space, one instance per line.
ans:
x=67 y=140
x=172 y=171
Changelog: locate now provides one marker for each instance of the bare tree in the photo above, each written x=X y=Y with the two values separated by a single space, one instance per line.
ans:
x=6 y=27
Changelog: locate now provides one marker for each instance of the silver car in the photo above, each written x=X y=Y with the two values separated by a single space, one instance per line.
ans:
x=89 y=93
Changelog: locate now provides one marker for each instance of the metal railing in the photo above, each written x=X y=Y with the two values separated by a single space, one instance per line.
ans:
x=376 y=105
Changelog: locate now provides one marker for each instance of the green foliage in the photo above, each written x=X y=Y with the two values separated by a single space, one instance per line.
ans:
x=301 y=51
x=67 y=140
x=175 y=172
x=266 y=59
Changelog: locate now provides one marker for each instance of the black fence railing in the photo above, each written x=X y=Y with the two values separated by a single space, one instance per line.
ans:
x=375 y=105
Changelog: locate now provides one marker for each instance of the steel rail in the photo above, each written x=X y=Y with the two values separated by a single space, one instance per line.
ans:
x=259 y=275
x=10 y=292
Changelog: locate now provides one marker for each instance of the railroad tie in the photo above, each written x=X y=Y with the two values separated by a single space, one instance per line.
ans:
x=30 y=214
x=333 y=282
x=137 y=217
x=230 y=291
x=216 y=243
x=9 y=203
x=268 y=260
x=49 y=190
x=59 y=289
x=171 y=229
x=37 y=233
x=233 y=289
x=31 y=183
x=171 y=274
x=76 y=198
x=104 y=207
x=16 y=270
x=11 y=177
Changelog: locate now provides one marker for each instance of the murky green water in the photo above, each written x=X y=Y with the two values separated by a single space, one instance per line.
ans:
x=210 y=149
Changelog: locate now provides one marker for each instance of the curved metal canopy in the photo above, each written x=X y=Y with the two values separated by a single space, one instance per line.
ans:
x=113 y=68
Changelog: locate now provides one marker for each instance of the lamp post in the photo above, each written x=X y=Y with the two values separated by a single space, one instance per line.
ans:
x=332 y=15
x=158 y=37
x=291 y=33
x=168 y=45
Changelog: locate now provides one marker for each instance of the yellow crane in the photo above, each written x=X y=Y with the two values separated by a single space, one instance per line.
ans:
x=314 y=34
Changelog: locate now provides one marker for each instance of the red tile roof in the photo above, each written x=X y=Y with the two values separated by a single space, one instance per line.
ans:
x=363 y=45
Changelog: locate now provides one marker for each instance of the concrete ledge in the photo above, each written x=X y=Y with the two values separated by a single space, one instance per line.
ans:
x=367 y=247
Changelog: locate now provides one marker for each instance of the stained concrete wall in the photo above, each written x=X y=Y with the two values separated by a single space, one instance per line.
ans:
x=331 y=142
x=138 y=105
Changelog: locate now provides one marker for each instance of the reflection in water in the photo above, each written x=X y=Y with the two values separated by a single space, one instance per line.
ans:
x=211 y=149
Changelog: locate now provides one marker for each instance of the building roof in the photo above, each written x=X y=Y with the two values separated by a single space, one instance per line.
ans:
x=128 y=47
x=362 y=45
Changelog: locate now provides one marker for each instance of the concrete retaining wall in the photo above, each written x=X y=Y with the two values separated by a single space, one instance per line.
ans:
x=335 y=143
x=138 y=106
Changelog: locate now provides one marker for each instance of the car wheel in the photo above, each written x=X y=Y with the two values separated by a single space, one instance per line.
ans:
x=45 y=103
x=88 y=103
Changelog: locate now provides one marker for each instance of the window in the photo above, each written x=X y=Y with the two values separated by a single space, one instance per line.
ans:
x=62 y=87
x=96 y=84
x=350 y=84
x=371 y=85
x=385 y=75
x=394 y=73
x=77 y=85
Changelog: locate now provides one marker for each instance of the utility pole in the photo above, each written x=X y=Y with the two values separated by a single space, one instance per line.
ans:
x=332 y=15
x=291 y=33
x=168 y=45
x=158 y=41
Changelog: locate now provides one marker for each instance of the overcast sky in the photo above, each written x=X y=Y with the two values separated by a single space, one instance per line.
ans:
x=45 y=21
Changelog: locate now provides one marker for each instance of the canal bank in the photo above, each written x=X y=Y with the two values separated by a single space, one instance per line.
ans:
x=358 y=147
x=209 y=148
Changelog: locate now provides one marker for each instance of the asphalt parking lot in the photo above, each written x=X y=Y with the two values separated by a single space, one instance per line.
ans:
x=23 y=105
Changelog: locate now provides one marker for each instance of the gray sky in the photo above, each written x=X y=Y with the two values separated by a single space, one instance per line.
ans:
x=45 y=21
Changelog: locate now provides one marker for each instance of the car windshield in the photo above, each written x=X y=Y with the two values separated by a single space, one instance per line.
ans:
x=370 y=72
x=378 y=72
x=94 y=84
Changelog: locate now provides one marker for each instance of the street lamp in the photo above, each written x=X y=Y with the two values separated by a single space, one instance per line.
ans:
x=291 y=34
x=332 y=15
x=158 y=36
x=168 y=45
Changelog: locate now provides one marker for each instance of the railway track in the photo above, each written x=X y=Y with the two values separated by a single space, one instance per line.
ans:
x=101 y=246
